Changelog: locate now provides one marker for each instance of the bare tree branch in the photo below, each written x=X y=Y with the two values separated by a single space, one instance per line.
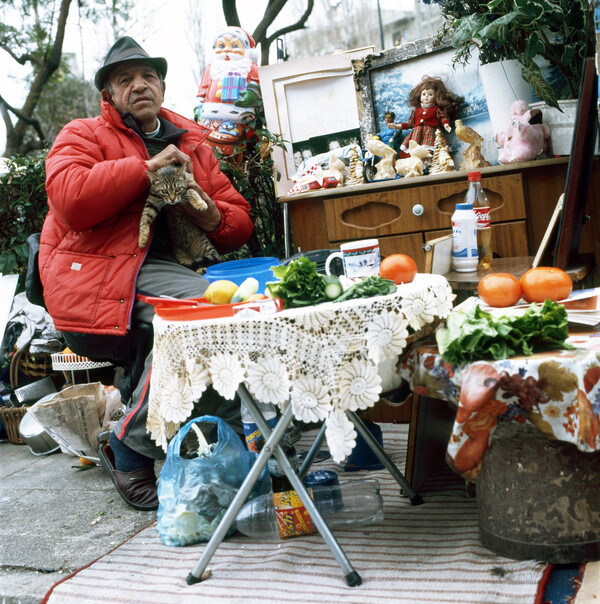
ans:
x=230 y=13
x=23 y=59
x=48 y=67
x=273 y=9
x=31 y=121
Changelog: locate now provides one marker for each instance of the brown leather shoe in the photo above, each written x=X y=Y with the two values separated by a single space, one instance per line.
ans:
x=137 y=488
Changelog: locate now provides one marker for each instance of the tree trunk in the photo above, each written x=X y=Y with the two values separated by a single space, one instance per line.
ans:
x=16 y=136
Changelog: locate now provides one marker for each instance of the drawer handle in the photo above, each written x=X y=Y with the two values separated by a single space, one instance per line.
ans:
x=418 y=209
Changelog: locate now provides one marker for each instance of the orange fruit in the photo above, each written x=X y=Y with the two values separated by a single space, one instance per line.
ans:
x=499 y=289
x=400 y=268
x=546 y=283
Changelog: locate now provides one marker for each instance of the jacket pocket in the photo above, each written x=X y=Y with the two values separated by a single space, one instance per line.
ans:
x=75 y=285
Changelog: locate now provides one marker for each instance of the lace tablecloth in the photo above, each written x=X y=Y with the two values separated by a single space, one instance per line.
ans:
x=556 y=391
x=324 y=358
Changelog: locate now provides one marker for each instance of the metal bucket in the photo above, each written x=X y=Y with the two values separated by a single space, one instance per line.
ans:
x=539 y=498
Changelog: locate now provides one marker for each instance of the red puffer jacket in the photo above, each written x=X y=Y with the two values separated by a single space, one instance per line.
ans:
x=97 y=184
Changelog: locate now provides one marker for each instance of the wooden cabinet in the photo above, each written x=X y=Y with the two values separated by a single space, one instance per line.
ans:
x=405 y=213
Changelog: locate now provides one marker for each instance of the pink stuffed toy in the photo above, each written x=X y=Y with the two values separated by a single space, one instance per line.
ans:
x=526 y=136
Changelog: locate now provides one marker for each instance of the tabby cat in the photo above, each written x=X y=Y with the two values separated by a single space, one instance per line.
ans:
x=168 y=186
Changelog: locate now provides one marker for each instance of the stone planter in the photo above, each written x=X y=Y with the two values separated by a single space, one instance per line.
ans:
x=502 y=85
x=562 y=125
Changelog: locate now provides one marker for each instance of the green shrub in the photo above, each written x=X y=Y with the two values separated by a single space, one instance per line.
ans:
x=23 y=207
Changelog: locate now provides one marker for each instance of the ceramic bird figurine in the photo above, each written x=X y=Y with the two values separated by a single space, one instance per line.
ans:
x=413 y=165
x=337 y=168
x=466 y=134
x=472 y=158
x=385 y=167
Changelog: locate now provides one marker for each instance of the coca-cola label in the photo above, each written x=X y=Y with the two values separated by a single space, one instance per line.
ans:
x=483 y=217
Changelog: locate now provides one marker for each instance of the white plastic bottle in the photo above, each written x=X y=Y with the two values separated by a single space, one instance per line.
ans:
x=361 y=504
x=464 y=238
x=254 y=438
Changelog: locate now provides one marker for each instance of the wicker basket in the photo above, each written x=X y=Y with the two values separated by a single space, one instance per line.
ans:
x=11 y=418
x=35 y=366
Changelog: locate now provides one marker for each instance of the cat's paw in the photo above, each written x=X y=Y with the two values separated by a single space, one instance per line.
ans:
x=195 y=199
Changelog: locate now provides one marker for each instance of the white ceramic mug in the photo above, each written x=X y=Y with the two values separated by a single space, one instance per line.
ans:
x=360 y=258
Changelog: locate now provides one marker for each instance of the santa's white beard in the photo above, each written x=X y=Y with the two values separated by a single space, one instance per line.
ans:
x=238 y=64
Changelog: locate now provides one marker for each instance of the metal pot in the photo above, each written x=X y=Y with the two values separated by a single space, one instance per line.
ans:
x=34 y=435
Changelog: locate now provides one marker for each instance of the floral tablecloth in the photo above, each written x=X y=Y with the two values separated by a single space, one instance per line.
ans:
x=556 y=391
x=325 y=359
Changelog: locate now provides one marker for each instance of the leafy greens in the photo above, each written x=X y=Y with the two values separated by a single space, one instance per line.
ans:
x=476 y=334
x=299 y=285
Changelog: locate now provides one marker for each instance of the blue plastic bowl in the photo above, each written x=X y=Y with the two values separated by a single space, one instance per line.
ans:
x=239 y=270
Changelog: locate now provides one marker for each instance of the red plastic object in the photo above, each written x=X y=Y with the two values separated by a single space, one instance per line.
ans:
x=194 y=309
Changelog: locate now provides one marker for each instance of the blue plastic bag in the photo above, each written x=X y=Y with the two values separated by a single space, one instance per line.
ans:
x=194 y=494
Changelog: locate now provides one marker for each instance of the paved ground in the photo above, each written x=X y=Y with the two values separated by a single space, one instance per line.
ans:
x=54 y=519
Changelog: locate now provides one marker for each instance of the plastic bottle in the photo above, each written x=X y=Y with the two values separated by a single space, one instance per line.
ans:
x=254 y=438
x=279 y=480
x=464 y=238
x=361 y=504
x=481 y=206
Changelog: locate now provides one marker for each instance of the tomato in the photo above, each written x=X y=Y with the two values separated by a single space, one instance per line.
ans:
x=400 y=268
x=499 y=289
x=546 y=283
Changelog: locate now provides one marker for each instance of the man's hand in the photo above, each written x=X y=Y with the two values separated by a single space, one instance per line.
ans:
x=208 y=220
x=169 y=155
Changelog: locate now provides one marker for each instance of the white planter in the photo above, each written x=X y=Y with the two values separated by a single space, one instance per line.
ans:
x=503 y=85
x=562 y=125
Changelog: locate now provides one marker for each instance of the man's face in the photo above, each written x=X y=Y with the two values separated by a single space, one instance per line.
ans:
x=136 y=89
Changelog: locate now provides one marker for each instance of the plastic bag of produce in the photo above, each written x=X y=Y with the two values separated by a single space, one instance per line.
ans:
x=205 y=466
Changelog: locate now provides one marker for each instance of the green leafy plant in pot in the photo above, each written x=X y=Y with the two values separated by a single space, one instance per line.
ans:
x=559 y=31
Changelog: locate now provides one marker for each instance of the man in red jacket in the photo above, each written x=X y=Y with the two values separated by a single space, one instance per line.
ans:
x=90 y=263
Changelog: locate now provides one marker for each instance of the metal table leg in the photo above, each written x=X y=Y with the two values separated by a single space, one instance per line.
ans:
x=271 y=447
x=238 y=501
x=414 y=497
x=352 y=577
x=312 y=452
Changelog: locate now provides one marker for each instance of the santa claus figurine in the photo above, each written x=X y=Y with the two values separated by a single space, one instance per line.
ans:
x=229 y=88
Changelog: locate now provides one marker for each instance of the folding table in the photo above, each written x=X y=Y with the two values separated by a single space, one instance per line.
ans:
x=322 y=363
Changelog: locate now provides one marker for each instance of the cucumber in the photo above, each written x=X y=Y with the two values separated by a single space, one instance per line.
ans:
x=245 y=290
x=333 y=287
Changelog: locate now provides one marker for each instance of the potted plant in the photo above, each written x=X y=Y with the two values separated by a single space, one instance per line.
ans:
x=559 y=31
x=514 y=38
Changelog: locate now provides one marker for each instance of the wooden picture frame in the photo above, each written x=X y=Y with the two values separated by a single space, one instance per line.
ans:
x=308 y=99
x=384 y=80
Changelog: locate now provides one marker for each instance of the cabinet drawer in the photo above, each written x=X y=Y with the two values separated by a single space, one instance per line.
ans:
x=378 y=214
x=411 y=245
x=506 y=195
x=382 y=213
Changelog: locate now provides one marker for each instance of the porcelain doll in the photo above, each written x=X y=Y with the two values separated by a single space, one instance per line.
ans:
x=434 y=107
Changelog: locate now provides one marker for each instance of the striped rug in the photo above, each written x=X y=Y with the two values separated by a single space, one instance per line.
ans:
x=429 y=553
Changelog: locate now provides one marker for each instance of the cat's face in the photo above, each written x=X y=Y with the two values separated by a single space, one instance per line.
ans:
x=169 y=183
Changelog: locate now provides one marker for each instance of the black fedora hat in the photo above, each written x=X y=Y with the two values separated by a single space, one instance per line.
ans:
x=127 y=49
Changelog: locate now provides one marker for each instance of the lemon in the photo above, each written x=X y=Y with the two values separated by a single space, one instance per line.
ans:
x=220 y=292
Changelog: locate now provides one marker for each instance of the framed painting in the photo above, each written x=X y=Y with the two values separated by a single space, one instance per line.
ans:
x=312 y=104
x=384 y=80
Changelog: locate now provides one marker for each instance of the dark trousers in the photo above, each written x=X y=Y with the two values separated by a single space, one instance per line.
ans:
x=158 y=277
